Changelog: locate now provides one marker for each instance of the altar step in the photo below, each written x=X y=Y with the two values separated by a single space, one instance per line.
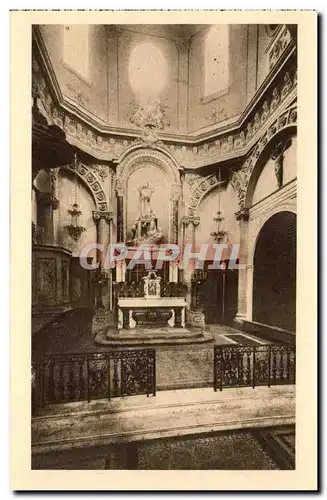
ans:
x=152 y=336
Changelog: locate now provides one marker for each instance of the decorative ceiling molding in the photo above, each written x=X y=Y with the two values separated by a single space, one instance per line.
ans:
x=107 y=144
x=241 y=179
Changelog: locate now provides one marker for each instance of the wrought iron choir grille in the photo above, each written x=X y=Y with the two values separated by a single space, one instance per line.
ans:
x=63 y=378
x=251 y=366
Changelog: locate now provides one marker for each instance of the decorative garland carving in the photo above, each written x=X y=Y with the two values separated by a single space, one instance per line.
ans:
x=86 y=174
x=240 y=179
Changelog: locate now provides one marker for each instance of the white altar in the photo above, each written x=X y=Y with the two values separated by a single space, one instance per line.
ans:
x=152 y=305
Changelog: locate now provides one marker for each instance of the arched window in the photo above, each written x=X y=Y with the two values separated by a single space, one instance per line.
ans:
x=147 y=70
x=216 y=77
x=76 y=49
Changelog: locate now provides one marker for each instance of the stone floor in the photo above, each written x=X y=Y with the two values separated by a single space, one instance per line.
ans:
x=63 y=341
x=177 y=366
x=79 y=430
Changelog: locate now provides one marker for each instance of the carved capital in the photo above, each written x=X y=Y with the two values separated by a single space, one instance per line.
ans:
x=242 y=214
x=195 y=220
x=183 y=44
x=190 y=219
x=107 y=216
x=120 y=187
x=185 y=220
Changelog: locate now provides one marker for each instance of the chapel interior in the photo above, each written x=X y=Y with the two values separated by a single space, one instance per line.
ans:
x=159 y=135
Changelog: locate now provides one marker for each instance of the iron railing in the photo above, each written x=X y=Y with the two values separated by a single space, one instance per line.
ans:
x=64 y=378
x=251 y=366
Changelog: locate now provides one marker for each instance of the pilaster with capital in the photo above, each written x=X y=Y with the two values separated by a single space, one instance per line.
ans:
x=189 y=225
x=242 y=216
x=174 y=199
x=103 y=224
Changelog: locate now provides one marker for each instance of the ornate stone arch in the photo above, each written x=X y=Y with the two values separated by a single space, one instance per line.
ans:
x=244 y=180
x=202 y=189
x=87 y=175
x=136 y=157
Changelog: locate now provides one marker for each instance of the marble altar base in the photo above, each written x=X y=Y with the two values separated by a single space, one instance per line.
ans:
x=152 y=336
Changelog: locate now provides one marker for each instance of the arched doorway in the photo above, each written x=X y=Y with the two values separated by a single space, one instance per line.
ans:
x=274 y=267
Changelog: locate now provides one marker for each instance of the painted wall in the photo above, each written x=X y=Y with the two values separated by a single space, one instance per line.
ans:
x=207 y=210
x=86 y=202
x=127 y=41
x=159 y=200
x=258 y=45
x=90 y=93
x=107 y=92
x=205 y=112
x=267 y=182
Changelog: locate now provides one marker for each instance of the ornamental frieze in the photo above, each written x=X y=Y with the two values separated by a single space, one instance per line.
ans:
x=240 y=179
x=85 y=173
x=200 y=191
x=107 y=148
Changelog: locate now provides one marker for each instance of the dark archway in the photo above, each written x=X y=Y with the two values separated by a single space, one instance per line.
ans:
x=274 y=279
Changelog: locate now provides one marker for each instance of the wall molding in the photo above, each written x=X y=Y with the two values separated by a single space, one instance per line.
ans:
x=106 y=143
x=243 y=179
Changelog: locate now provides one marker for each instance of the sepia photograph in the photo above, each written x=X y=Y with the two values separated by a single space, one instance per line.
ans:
x=163 y=247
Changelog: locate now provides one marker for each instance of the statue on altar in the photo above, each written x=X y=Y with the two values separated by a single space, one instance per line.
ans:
x=146 y=191
x=145 y=228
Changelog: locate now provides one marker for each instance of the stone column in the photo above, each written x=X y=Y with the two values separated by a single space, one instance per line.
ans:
x=103 y=296
x=174 y=220
x=189 y=225
x=249 y=293
x=174 y=236
x=243 y=217
x=120 y=191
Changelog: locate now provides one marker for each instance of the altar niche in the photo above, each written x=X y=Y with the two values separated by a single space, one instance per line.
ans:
x=151 y=309
x=145 y=228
